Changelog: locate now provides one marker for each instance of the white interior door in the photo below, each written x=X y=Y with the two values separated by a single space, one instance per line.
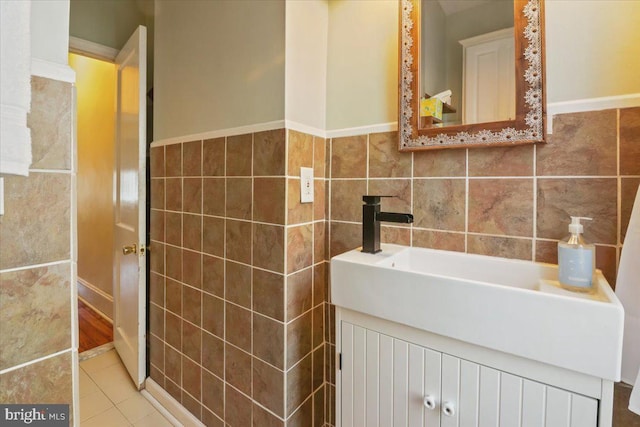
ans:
x=488 y=79
x=129 y=200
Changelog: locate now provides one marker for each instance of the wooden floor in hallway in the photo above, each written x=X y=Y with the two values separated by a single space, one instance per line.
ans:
x=94 y=330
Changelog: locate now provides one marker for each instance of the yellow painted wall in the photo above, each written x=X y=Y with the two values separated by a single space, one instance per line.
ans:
x=95 y=82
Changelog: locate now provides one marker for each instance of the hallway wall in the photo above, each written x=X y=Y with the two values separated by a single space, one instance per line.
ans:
x=96 y=88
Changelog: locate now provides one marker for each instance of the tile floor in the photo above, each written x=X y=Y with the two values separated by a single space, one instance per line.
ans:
x=109 y=399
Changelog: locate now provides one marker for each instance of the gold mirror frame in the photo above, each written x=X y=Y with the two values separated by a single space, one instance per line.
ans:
x=528 y=126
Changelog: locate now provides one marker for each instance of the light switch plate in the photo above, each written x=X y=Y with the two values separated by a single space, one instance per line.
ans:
x=306 y=185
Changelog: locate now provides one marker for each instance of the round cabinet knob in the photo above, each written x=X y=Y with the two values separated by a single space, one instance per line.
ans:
x=448 y=409
x=430 y=402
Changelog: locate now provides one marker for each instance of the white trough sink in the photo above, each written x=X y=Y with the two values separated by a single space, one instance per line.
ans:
x=493 y=302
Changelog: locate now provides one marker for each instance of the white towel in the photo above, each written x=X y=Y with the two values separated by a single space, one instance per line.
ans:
x=15 y=86
x=628 y=291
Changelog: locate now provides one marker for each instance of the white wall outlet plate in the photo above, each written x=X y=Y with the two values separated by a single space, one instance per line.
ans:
x=306 y=185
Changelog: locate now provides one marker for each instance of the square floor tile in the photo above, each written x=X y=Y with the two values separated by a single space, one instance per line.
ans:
x=155 y=419
x=109 y=418
x=136 y=407
x=94 y=404
x=87 y=386
x=99 y=363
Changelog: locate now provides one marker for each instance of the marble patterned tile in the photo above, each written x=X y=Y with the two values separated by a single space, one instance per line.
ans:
x=302 y=415
x=299 y=293
x=319 y=199
x=268 y=247
x=395 y=235
x=501 y=206
x=299 y=381
x=35 y=313
x=581 y=144
x=157 y=162
x=269 y=200
x=319 y=157
x=191 y=374
x=262 y=417
x=157 y=193
x=268 y=294
x=213 y=157
x=299 y=247
x=238 y=369
x=384 y=158
x=212 y=355
x=300 y=152
x=268 y=340
x=238 y=408
x=50 y=121
x=213 y=275
x=439 y=240
x=269 y=153
x=26 y=238
x=630 y=141
x=346 y=199
x=239 y=154
x=237 y=327
x=606 y=261
x=213 y=239
x=239 y=198
x=213 y=315
x=559 y=198
x=400 y=189
x=213 y=196
x=439 y=163
x=238 y=284
x=546 y=251
x=349 y=157
x=237 y=238
x=501 y=161
x=268 y=387
x=439 y=204
x=192 y=158
x=506 y=247
x=173 y=194
x=319 y=241
x=32 y=383
x=192 y=195
x=191 y=232
x=297 y=212
x=173 y=160
x=214 y=397
x=344 y=237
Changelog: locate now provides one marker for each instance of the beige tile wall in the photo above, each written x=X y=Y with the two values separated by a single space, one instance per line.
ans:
x=512 y=202
x=242 y=331
x=36 y=260
x=238 y=278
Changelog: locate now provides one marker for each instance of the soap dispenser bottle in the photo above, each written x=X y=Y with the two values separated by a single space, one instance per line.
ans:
x=576 y=259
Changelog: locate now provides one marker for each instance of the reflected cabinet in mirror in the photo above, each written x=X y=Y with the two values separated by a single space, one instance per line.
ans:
x=471 y=73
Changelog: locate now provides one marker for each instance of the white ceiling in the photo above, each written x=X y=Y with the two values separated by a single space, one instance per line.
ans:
x=453 y=6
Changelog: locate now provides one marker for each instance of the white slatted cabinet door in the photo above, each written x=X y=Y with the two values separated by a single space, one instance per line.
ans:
x=432 y=386
x=469 y=393
x=373 y=379
x=359 y=375
x=346 y=376
x=584 y=411
x=416 y=386
x=510 y=400
x=386 y=381
x=558 y=408
x=489 y=397
x=400 y=383
x=449 y=408
x=533 y=404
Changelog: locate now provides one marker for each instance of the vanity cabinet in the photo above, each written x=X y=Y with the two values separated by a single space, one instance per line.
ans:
x=386 y=380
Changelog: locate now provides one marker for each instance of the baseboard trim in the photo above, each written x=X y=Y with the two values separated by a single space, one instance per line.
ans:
x=97 y=299
x=168 y=406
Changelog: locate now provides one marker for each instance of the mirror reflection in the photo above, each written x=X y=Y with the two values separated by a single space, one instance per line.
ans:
x=467 y=62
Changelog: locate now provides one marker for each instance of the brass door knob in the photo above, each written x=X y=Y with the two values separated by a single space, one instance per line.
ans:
x=126 y=250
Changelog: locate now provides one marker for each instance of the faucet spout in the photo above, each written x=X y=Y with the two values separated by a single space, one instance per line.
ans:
x=371 y=218
x=403 y=218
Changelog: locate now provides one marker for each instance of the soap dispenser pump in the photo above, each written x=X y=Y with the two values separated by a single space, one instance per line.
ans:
x=576 y=259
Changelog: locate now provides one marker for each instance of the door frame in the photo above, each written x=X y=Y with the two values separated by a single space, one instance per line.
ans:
x=105 y=53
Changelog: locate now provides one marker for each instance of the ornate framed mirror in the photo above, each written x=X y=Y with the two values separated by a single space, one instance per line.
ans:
x=515 y=118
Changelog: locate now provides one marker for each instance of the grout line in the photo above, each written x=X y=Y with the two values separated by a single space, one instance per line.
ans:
x=38 y=360
x=33 y=266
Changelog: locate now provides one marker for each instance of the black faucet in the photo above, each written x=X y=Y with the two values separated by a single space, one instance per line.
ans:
x=371 y=218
